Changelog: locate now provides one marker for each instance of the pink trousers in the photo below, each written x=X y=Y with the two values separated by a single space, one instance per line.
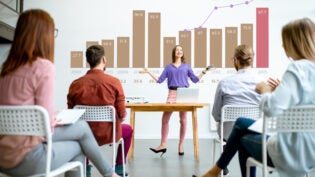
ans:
x=166 y=117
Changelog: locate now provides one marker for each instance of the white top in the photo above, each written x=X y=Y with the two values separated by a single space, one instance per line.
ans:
x=237 y=89
x=292 y=153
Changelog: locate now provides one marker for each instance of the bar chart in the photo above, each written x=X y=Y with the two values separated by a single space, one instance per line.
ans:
x=148 y=47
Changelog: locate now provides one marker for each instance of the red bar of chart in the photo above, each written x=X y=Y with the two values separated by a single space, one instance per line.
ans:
x=262 y=37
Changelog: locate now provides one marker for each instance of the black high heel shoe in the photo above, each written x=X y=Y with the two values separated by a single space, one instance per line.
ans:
x=158 y=151
x=180 y=153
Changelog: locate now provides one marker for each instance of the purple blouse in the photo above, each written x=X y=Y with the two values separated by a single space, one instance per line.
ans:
x=178 y=76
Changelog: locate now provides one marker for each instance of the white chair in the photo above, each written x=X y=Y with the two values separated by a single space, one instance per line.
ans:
x=104 y=114
x=229 y=114
x=295 y=119
x=34 y=121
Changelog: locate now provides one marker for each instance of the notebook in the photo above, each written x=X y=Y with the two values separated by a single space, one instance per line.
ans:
x=69 y=116
x=187 y=95
x=257 y=126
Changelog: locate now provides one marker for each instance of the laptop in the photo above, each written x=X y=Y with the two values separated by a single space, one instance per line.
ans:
x=187 y=95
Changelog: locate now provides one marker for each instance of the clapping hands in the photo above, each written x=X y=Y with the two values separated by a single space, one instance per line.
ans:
x=267 y=86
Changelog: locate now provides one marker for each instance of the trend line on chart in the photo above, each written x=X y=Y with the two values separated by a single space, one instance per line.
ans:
x=217 y=8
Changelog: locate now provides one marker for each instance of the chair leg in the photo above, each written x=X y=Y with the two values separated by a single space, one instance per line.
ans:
x=82 y=169
x=247 y=170
x=214 y=151
x=123 y=156
x=114 y=156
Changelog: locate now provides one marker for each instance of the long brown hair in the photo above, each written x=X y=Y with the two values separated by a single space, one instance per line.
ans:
x=174 y=54
x=33 y=37
x=298 y=39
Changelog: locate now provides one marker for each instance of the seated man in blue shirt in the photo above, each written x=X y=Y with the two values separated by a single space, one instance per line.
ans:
x=237 y=89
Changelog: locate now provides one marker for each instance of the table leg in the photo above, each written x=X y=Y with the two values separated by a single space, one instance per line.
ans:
x=132 y=124
x=195 y=133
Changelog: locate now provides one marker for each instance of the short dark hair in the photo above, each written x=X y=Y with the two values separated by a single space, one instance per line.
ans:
x=94 y=54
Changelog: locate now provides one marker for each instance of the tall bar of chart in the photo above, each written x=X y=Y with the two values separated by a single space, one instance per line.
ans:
x=123 y=48
x=185 y=42
x=109 y=52
x=230 y=44
x=262 y=37
x=216 y=47
x=168 y=43
x=138 y=38
x=76 y=59
x=247 y=34
x=154 y=40
x=88 y=44
x=202 y=46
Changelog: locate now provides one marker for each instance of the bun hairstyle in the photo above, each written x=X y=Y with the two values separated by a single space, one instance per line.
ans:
x=244 y=54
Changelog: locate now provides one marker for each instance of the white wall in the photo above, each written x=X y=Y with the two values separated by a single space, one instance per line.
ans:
x=79 y=21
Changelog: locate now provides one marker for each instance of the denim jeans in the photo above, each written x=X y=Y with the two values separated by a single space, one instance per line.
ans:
x=246 y=143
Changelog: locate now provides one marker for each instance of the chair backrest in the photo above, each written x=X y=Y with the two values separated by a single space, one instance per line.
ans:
x=294 y=119
x=105 y=113
x=229 y=113
x=232 y=112
x=27 y=120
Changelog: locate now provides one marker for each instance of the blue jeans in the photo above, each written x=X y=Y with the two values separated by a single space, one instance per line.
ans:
x=246 y=143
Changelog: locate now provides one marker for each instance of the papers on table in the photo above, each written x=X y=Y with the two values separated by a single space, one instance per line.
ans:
x=69 y=116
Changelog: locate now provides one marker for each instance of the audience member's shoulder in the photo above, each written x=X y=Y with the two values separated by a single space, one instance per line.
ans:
x=304 y=66
x=42 y=66
x=43 y=62
x=113 y=78
x=304 y=63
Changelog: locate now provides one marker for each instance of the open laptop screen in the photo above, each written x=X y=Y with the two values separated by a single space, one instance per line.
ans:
x=187 y=95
